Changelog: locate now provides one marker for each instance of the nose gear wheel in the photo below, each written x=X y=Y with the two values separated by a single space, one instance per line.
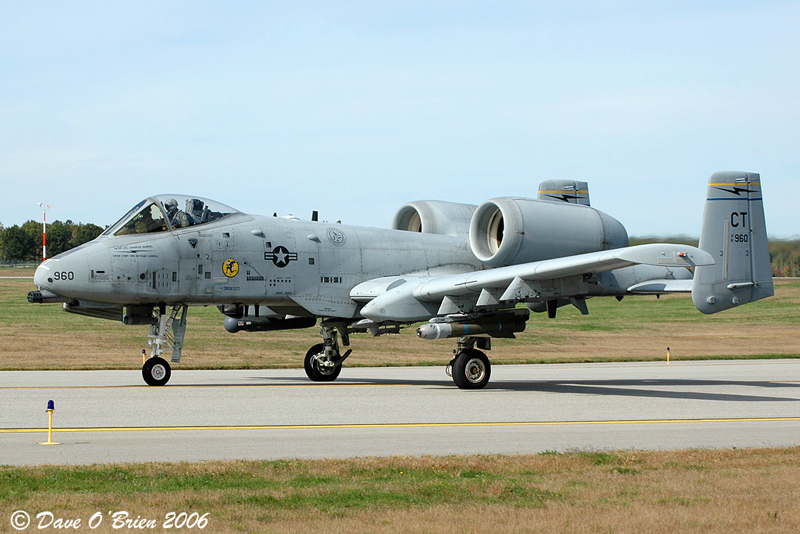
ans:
x=156 y=371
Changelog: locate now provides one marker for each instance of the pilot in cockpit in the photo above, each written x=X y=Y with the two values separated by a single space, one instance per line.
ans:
x=177 y=218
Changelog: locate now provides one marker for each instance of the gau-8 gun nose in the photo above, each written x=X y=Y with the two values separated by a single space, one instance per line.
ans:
x=74 y=275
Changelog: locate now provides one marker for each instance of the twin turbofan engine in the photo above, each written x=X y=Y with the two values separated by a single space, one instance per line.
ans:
x=510 y=230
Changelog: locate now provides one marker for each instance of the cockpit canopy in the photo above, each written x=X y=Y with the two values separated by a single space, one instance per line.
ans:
x=163 y=212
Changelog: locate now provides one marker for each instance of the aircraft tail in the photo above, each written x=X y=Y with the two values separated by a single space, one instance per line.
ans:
x=564 y=191
x=734 y=232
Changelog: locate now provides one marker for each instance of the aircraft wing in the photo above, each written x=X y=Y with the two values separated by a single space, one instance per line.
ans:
x=414 y=298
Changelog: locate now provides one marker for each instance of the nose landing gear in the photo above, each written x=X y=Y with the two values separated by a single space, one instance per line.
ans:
x=166 y=335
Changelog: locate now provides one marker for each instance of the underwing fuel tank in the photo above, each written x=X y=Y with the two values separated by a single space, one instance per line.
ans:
x=495 y=329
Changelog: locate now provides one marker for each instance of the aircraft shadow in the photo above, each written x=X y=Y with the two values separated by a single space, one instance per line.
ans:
x=645 y=388
x=649 y=389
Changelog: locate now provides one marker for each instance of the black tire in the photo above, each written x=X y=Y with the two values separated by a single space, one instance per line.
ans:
x=314 y=372
x=156 y=371
x=471 y=370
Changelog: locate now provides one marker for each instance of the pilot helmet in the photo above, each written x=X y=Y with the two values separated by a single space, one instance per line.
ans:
x=171 y=205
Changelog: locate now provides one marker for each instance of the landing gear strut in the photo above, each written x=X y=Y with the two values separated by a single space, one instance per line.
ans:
x=470 y=368
x=323 y=361
x=166 y=335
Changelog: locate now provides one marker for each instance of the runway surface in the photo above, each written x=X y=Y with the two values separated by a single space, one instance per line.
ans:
x=110 y=416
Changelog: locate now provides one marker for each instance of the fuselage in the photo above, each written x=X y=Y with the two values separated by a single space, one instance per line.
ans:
x=251 y=260
x=294 y=267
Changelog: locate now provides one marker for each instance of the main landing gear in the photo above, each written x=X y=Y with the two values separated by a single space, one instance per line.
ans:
x=470 y=369
x=166 y=335
x=323 y=361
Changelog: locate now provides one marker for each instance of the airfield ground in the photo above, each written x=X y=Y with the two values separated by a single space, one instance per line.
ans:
x=584 y=491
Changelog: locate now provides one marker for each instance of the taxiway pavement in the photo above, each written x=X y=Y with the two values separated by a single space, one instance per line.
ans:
x=111 y=416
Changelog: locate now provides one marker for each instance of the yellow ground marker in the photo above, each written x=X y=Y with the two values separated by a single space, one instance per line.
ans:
x=406 y=425
x=51 y=407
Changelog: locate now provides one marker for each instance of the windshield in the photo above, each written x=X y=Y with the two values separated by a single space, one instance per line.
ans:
x=157 y=214
x=149 y=220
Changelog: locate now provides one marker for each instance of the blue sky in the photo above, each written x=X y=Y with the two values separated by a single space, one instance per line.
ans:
x=354 y=108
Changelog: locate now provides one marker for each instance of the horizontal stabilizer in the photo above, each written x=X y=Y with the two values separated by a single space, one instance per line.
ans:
x=658 y=287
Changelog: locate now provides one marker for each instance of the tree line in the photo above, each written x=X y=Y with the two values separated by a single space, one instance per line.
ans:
x=24 y=243
x=784 y=254
x=785 y=257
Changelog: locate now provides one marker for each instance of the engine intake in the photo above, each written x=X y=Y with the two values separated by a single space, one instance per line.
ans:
x=434 y=217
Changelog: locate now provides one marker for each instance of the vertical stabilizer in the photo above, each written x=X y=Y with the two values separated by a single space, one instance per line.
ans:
x=564 y=191
x=735 y=234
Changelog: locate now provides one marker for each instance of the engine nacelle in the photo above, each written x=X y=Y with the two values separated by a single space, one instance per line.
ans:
x=434 y=217
x=507 y=231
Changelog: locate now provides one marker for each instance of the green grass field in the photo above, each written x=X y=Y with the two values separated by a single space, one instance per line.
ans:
x=583 y=492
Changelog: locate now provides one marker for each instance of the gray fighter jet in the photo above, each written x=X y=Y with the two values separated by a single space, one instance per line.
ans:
x=469 y=272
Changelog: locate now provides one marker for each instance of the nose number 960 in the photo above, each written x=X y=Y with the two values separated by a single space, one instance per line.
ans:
x=64 y=275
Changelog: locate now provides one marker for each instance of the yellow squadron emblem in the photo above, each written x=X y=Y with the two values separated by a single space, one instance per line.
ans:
x=230 y=268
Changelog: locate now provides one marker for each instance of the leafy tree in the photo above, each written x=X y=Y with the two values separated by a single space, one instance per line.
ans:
x=85 y=233
x=34 y=231
x=17 y=244
x=59 y=238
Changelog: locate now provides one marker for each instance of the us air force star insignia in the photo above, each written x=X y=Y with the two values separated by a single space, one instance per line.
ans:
x=280 y=256
x=230 y=267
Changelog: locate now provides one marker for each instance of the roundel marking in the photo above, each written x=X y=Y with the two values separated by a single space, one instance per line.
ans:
x=230 y=267
x=337 y=237
x=280 y=256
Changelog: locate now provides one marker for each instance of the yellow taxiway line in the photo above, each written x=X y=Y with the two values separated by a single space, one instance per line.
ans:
x=403 y=425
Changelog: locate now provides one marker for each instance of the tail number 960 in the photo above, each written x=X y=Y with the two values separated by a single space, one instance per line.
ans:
x=739 y=238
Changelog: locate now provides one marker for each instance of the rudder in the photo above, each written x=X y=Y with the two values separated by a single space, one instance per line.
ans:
x=734 y=232
x=564 y=191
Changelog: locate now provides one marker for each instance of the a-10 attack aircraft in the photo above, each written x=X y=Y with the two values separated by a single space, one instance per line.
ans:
x=466 y=270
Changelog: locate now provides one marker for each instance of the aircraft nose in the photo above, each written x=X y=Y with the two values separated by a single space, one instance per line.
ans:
x=68 y=273
x=40 y=276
